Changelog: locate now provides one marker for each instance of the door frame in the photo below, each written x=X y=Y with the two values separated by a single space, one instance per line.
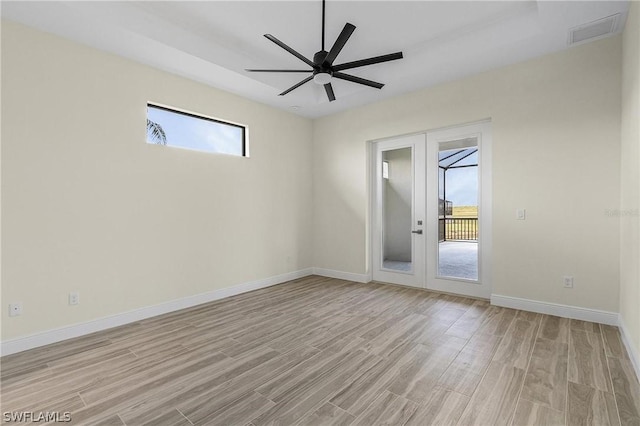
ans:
x=485 y=196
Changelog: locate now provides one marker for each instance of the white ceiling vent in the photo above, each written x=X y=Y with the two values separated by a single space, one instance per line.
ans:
x=594 y=30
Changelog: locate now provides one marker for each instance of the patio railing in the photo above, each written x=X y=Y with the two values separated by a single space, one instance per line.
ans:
x=458 y=229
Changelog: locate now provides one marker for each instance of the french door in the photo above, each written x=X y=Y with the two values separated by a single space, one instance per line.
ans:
x=431 y=219
x=398 y=213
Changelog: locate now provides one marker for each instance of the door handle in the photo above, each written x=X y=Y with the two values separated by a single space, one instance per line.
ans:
x=419 y=231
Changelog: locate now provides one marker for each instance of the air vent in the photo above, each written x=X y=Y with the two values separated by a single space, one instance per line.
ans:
x=594 y=30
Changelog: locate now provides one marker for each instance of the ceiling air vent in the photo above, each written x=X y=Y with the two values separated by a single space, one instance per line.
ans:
x=594 y=30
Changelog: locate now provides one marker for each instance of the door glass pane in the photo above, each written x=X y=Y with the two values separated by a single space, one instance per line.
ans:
x=397 y=196
x=458 y=209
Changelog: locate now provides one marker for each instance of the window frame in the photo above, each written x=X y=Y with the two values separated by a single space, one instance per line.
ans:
x=245 y=129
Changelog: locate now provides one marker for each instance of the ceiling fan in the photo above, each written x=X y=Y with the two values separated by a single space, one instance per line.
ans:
x=322 y=68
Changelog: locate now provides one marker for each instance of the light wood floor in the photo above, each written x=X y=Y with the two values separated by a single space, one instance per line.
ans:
x=324 y=351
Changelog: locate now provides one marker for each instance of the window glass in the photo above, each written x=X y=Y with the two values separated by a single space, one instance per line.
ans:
x=166 y=126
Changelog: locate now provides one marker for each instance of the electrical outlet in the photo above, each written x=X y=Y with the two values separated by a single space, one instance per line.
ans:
x=15 y=309
x=74 y=298
x=568 y=282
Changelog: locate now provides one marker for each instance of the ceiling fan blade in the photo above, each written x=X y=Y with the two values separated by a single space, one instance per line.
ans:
x=358 y=80
x=340 y=42
x=288 y=49
x=279 y=70
x=368 y=61
x=296 y=86
x=329 y=89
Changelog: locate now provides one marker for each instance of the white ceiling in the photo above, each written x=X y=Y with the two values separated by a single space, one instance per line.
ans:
x=214 y=41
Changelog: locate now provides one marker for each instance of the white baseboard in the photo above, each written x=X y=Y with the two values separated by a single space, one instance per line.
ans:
x=566 y=311
x=56 y=335
x=631 y=350
x=348 y=276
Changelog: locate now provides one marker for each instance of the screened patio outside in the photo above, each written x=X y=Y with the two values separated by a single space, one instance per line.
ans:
x=458 y=224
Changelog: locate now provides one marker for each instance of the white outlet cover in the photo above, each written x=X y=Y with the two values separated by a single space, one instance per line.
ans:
x=521 y=214
x=568 y=282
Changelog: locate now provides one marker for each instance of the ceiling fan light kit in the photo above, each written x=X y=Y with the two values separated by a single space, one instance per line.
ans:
x=322 y=78
x=322 y=68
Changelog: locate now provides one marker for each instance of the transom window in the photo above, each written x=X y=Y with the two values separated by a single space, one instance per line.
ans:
x=181 y=129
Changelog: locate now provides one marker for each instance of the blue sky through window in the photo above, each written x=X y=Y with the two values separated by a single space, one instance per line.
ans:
x=462 y=183
x=201 y=134
x=462 y=186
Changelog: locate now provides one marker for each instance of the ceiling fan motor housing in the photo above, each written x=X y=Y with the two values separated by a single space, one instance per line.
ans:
x=319 y=60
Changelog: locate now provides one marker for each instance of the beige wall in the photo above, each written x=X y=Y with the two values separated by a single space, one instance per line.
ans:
x=630 y=179
x=556 y=153
x=88 y=206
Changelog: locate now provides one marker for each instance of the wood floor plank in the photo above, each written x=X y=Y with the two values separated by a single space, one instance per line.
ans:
x=613 y=345
x=325 y=351
x=434 y=336
x=113 y=420
x=79 y=361
x=468 y=323
x=546 y=378
x=420 y=371
x=587 y=360
x=494 y=401
x=483 y=343
x=280 y=339
x=465 y=372
x=406 y=329
x=303 y=377
x=295 y=407
x=52 y=352
x=440 y=407
x=348 y=327
x=498 y=320
x=555 y=328
x=215 y=387
x=526 y=315
x=64 y=383
x=131 y=375
x=516 y=345
x=591 y=327
x=356 y=396
x=589 y=406
x=241 y=411
x=626 y=389
x=171 y=418
x=530 y=413
x=448 y=315
x=388 y=409
x=428 y=304
x=199 y=402
x=158 y=385
x=327 y=415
